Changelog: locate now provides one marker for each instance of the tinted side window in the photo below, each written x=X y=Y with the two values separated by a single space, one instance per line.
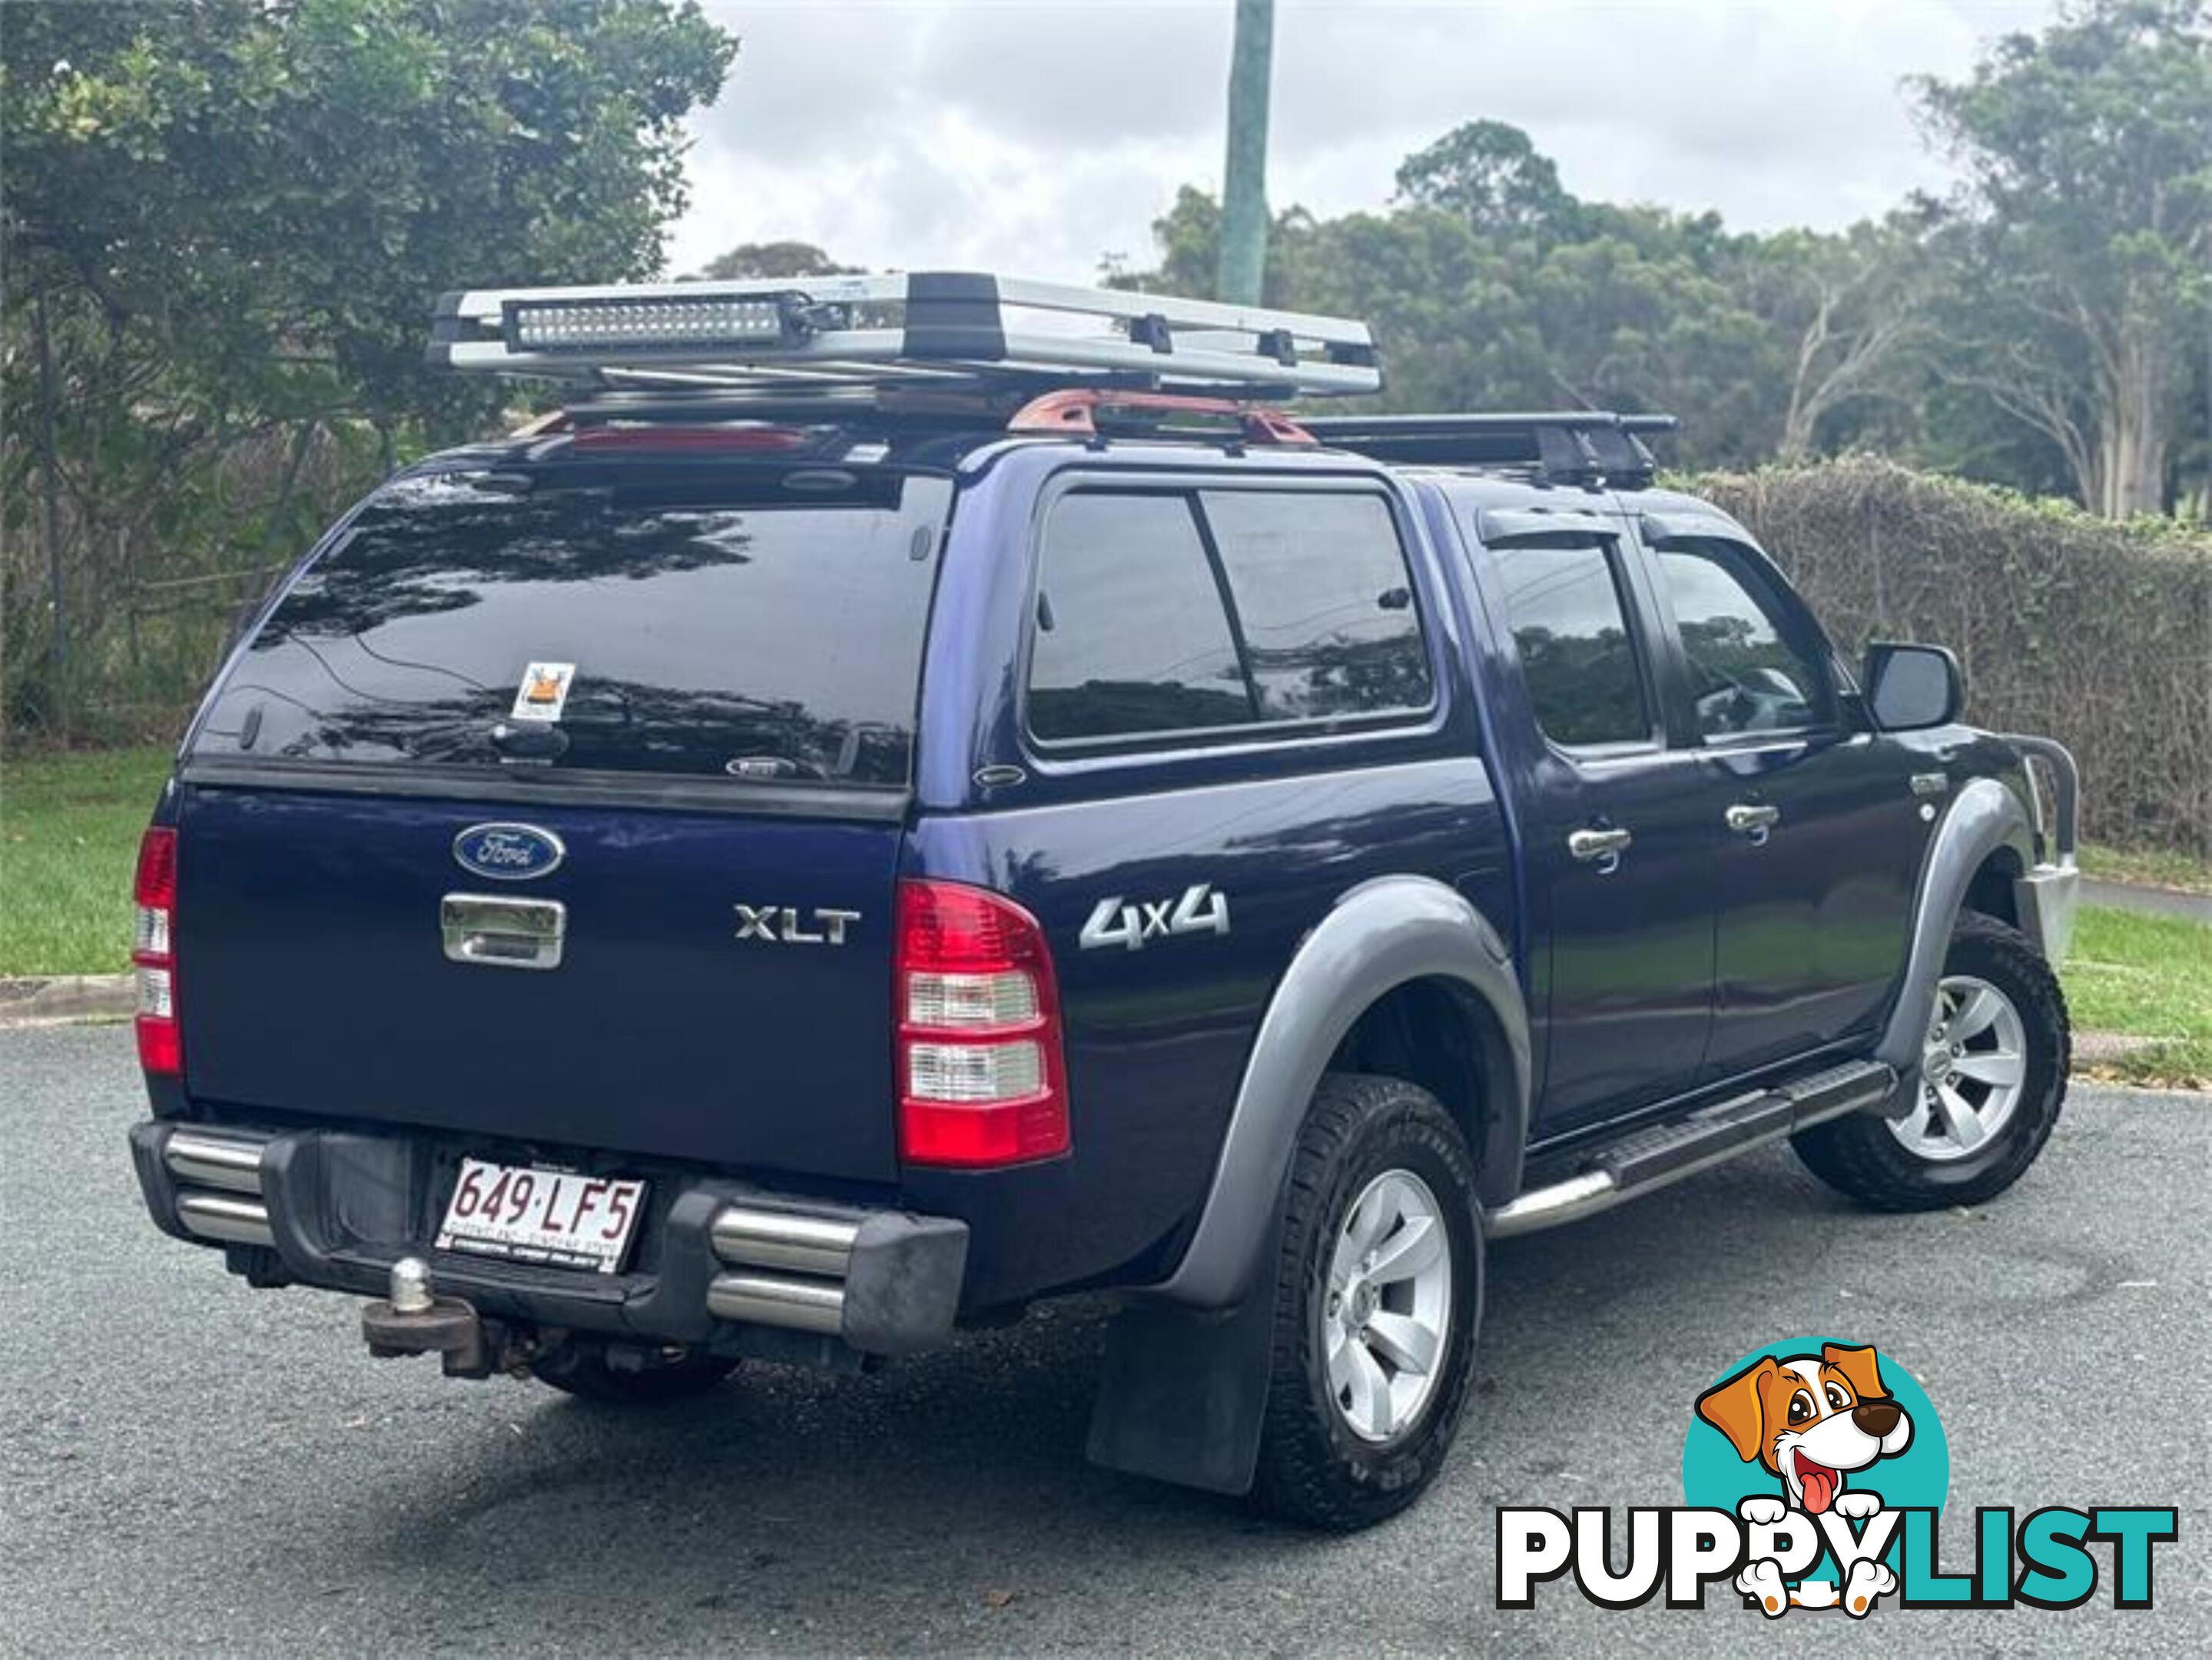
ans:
x=1325 y=601
x=1131 y=635
x=1565 y=608
x=1746 y=675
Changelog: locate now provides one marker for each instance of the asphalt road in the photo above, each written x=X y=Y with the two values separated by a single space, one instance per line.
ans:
x=189 y=1465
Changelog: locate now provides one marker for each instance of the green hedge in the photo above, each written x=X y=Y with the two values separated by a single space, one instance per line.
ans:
x=2099 y=635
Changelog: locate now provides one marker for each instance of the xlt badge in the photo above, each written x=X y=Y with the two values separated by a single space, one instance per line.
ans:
x=779 y=925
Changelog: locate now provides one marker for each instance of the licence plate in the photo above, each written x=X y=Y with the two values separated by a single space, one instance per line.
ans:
x=554 y=1218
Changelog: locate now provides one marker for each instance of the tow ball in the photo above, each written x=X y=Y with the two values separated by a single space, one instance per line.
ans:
x=415 y=1320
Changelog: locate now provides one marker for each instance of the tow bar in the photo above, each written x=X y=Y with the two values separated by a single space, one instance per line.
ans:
x=414 y=1320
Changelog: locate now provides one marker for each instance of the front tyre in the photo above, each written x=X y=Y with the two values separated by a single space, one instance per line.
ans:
x=1378 y=1290
x=1991 y=1079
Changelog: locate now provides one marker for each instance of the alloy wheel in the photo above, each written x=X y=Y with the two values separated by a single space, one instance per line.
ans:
x=1388 y=1309
x=1974 y=1071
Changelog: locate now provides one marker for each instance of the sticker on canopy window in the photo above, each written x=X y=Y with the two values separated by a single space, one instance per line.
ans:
x=544 y=691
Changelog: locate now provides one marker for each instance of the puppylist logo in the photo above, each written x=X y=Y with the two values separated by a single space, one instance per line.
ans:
x=1816 y=1472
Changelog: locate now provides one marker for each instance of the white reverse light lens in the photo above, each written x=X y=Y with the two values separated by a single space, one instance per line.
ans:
x=1007 y=999
x=152 y=930
x=974 y=1072
x=154 y=993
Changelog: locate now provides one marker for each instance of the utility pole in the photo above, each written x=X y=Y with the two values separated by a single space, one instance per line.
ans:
x=1244 y=188
x=49 y=526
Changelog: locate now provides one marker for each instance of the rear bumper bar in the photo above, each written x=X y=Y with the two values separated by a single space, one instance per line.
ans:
x=335 y=1209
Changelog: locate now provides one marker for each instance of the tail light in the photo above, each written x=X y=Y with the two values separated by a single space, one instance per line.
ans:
x=161 y=1050
x=982 y=1081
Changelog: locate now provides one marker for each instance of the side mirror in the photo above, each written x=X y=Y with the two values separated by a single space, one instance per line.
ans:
x=1911 y=688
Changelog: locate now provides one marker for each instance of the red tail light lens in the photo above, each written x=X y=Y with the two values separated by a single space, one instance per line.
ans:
x=982 y=1081
x=161 y=1049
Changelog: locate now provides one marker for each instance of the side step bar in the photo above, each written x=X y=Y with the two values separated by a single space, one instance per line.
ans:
x=1648 y=1159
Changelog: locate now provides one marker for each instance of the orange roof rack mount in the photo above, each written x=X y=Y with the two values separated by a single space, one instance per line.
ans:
x=1074 y=411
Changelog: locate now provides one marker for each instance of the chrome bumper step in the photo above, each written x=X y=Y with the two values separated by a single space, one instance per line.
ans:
x=789 y=1267
x=237 y=1214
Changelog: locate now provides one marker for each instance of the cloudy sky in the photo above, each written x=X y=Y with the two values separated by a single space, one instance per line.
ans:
x=1036 y=135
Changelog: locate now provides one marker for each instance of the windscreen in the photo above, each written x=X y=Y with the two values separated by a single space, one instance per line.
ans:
x=676 y=621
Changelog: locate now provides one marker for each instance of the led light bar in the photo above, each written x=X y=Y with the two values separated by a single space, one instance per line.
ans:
x=598 y=326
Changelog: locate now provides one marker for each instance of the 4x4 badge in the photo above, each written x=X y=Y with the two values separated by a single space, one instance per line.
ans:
x=1201 y=910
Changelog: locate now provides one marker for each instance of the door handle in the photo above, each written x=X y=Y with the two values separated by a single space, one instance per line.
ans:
x=1754 y=821
x=495 y=932
x=1602 y=847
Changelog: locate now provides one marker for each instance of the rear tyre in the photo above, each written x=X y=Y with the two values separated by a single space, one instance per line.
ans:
x=579 y=1367
x=1378 y=1290
x=1987 y=1093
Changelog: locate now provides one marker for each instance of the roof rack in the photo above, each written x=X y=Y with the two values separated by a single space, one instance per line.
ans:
x=929 y=332
x=1563 y=446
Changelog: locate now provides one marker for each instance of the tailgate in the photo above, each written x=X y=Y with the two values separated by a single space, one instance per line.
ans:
x=695 y=676
x=313 y=978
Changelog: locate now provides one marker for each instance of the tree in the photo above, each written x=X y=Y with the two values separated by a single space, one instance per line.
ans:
x=2079 y=249
x=225 y=222
x=771 y=259
x=1490 y=175
x=1845 y=308
x=1491 y=286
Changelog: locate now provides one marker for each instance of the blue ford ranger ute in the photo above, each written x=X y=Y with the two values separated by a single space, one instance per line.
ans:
x=882 y=810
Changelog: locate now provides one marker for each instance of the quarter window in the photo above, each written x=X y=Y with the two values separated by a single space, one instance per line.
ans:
x=1579 y=659
x=1745 y=674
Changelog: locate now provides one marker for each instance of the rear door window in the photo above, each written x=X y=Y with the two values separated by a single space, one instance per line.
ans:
x=1577 y=656
x=698 y=622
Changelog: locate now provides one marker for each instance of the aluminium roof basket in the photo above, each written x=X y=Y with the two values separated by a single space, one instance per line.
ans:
x=923 y=331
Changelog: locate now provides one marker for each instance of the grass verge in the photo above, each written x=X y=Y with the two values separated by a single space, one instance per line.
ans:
x=2145 y=976
x=69 y=842
x=2149 y=868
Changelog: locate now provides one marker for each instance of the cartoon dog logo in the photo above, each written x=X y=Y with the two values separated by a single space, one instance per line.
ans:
x=1812 y=1421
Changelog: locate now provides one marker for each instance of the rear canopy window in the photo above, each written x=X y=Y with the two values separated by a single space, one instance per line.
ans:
x=707 y=625
x=1172 y=611
x=1131 y=635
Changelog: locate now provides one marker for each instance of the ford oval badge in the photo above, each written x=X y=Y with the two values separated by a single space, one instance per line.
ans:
x=509 y=853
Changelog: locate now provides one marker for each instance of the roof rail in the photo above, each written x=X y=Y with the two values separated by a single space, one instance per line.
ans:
x=1563 y=447
x=952 y=331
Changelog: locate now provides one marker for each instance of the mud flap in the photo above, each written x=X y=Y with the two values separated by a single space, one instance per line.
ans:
x=1183 y=1395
